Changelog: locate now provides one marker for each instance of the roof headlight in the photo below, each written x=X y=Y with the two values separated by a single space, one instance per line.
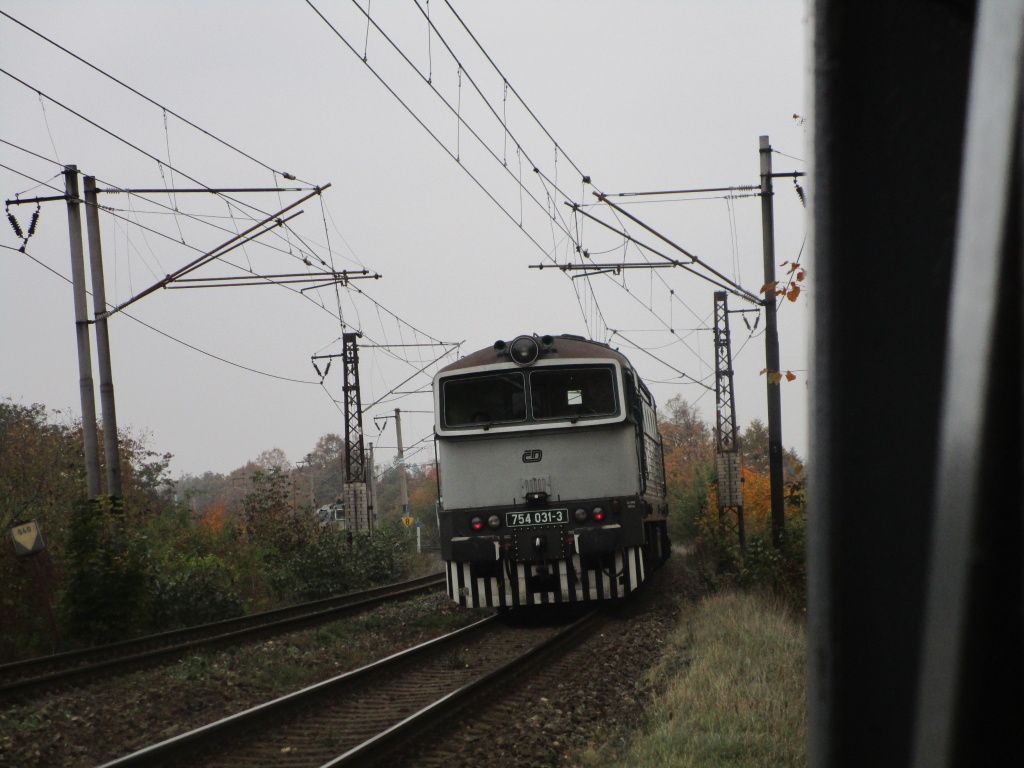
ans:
x=524 y=350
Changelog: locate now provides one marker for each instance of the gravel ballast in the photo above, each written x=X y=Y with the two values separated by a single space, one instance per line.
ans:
x=101 y=720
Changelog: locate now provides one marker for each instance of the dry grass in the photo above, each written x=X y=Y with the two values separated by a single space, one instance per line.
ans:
x=735 y=694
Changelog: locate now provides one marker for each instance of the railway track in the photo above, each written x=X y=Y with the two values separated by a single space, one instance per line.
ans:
x=44 y=672
x=359 y=717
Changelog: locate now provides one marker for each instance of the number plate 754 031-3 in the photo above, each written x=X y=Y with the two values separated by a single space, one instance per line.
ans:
x=537 y=517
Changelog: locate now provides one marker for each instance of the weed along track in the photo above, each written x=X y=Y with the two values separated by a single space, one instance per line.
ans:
x=33 y=675
x=359 y=717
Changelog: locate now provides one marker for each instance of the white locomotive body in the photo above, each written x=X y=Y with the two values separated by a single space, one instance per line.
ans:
x=551 y=474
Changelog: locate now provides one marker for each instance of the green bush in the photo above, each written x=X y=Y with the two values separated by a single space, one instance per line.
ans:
x=687 y=501
x=192 y=589
x=720 y=563
x=330 y=562
x=107 y=574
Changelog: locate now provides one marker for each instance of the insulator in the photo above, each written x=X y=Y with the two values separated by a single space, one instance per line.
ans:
x=14 y=223
x=328 y=368
x=32 y=224
x=315 y=368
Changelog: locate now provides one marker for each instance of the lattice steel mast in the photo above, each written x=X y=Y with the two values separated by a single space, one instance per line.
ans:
x=730 y=489
x=356 y=509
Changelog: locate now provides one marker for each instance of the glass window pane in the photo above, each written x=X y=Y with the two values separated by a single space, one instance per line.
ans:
x=482 y=400
x=572 y=393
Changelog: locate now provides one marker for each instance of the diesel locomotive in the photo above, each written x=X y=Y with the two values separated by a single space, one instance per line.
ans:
x=552 y=478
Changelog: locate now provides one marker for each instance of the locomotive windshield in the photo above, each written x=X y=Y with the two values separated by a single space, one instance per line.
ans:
x=485 y=400
x=494 y=399
x=572 y=393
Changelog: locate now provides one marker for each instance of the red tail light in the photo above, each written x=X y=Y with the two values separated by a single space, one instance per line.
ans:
x=598 y=515
x=477 y=524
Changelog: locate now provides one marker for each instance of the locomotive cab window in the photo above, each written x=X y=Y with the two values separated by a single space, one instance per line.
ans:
x=570 y=393
x=479 y=401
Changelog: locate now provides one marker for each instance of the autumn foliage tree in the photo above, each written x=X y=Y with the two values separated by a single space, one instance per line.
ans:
x=692 y=486
x=689 y=449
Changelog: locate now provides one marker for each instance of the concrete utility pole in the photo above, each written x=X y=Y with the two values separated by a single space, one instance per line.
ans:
x=402 y=481
x=88 y=396
x=771 y=343
x=111 y=450
x=371 y=488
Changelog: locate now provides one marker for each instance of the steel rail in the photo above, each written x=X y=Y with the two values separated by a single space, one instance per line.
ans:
x=373 y=750
x=194 y=747
x=185 y=743
x=39 y=673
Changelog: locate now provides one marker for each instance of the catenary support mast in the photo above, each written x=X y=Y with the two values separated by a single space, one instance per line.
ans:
x=730 y=489
x=111 y=449
x=355 y=458
x=403 y=483
x=88 y=395
x=771 y=343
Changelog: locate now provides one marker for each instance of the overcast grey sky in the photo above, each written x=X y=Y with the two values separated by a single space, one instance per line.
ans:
x=650 y=95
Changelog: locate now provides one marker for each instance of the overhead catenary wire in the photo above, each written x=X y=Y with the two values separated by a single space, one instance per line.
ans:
x=557 y=147
x=241 y=204
x=493 y=110
x=141 y=95
x=111 y=188
x=410 y=378
x=584 y=177
x=791 y=157
x=166 y=110
x=554 y=218
x=453 y=155
x=167 y=335
x=739 y=290
x=110 y=211
x=660 y=360
x=226 y=261
x=431 y=133
x=552 y=213
x=455 y=110
x=267 y=166
x=505 y=80
x=174 y=211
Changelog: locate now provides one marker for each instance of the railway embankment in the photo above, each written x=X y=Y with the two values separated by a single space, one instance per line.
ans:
x=674 y=676
x=728 y=689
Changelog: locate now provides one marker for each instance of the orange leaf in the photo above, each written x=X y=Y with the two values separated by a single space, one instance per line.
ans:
x=794 y=291
x=762 y=372
x=774 y=377
x=769 y=287
x=801 y=275
x=790 y=375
